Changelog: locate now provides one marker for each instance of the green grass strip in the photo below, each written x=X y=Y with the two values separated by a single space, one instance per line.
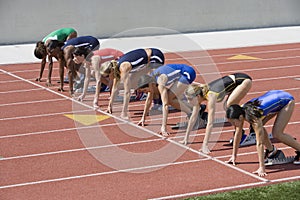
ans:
x=284 y=191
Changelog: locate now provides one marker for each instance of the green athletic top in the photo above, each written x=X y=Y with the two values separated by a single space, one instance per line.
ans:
x=60 y=34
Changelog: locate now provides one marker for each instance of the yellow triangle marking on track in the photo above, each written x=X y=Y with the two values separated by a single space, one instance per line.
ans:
x=243 y=57
x=87 y=119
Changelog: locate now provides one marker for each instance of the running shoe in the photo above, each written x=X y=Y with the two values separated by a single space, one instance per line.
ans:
x=297 y=158
x=270 y=154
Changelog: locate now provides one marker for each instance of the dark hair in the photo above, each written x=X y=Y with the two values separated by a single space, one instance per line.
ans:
x=234 y=111
x=40 y=50
x=144 y=81
x=54 y=43
x=252 y=110
x=86 y=52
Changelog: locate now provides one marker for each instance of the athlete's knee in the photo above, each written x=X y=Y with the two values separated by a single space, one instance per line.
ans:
x=247 y=83
x=277 y=133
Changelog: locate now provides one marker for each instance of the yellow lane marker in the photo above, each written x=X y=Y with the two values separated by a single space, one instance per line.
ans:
x=87 y=119
x=243 y=57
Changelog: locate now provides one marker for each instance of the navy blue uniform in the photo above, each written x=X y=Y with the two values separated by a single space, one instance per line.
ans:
x=138 y=58
x=88 y=41
x=176 y=72
x=157 y=56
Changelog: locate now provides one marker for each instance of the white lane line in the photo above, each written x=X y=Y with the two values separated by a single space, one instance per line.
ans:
x=105 y=125
x=47 y=89
x=11 y=81
x=98 y=174
x=235 y=187
x=228 y=54
x=204 y=56
x=252 y=69
x=17 y=91
x=116 y=145
x=58 y=130
x=41 y=115
x=223 y=72
x=276 y=78
x=249 y=61
x=34 y=70
x=285 y=89
x=123 y=170
x=288 y=179
x=32 y=102
x=79 y=149
x=211 y=62
x=145 y=130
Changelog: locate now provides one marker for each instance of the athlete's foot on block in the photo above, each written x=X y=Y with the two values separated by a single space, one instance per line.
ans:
x=164 y=133
x=297 y=158
x=49 y=84
x=124 y=116
x=205 y=149
x=95 y=105
x=184 y=142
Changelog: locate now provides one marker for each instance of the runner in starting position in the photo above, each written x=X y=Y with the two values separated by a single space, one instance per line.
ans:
x=258 y=112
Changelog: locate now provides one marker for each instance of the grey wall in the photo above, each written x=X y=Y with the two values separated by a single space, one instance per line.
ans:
x=27 y=21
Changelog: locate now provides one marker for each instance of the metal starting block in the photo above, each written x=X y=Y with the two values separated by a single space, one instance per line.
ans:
x=277 y=161
x=280 y=159
x=248 y=140
x=183 y=125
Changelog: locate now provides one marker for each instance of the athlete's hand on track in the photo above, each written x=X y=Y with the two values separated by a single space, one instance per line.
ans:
x=231 y=160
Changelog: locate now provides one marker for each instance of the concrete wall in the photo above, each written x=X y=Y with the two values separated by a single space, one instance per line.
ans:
x=27 y=21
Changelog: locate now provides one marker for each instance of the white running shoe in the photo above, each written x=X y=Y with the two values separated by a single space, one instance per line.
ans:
x=297 y=158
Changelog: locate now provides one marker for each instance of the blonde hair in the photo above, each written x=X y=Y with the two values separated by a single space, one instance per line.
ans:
x=194 y=90
x=108 y=66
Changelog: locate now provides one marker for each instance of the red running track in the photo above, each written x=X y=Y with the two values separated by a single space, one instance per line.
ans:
x=46 y=155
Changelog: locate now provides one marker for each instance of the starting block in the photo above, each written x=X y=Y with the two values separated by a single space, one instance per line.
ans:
x=280 y=159
x=248 y=140
x=132 y=98
x=198 y=125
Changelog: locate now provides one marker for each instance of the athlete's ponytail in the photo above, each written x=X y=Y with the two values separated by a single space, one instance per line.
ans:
x=194 y=90
x=117 y=72
x=252 y=111
x=235 y=111
x=205 y=89
x=107 y=67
